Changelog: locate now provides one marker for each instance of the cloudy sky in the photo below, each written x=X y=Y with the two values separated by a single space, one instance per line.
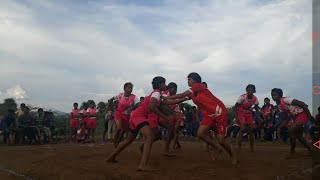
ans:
x=54 y=53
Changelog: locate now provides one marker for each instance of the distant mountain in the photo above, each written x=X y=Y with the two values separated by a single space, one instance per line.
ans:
x=55 y=112
x=59 y=113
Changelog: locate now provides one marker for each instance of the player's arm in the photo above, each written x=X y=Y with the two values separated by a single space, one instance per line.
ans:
x=178 y=96
x=154 y=108
x=305 y=108
x=175 y=101
x=239 y=101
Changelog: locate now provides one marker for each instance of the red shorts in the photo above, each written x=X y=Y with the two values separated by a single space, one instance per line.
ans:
x=153 y=120
x=92 y=124
x=300 y=119
x=136 y=123
x=118 y=116
x=85 y=121
x=74 y=123
x=220 y=122
x=245 y=118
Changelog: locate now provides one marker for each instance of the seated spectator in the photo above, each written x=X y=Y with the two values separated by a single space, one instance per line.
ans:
x=26 y=126
x=39 y=123
x=82 y=134
x=9 y=127
x=20 y=111
x=48 y=126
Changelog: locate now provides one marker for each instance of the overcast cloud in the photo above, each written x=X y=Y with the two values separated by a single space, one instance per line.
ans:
x=54 y=53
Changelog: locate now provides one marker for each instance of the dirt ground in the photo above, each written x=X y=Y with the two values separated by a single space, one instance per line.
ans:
x=86 y=161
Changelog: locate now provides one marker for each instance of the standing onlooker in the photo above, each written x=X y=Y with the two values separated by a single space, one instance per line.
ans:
x=280 y=125
x=315 y=129
x=195 y=121
x=189 y=119
x=111 y=123
x=105 y=131
x=268 y=128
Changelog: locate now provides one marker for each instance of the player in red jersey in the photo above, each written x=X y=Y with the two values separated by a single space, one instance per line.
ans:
x=156 y=120
x=245 y=114
x=178 y=127
x=215 y=112
x=171 y=90
x=85 y=115
x=92 y=122
x=140 y=122
x=126 y=103
x=74 y=123
x=301 y=115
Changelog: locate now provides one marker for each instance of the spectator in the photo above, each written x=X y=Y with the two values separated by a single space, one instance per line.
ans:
x=280 y=125
x=39 y=123
x=48 y=126
x=26 y=126
x=106 y=120
x=111 y=123
x=195 y=121
x=234 y=128
x=258 y=124
x=20 y=111
x=9 y=127
x=268 y=128
x=189 y=119
x=82 y=134
x=315 y=129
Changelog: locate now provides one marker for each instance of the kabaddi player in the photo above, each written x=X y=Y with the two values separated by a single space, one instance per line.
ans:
x=140 y=122
x=245 y=115
x=300 y=114
x=126 y=103
x=74 y=123
x=215 y=112
x=92 y=121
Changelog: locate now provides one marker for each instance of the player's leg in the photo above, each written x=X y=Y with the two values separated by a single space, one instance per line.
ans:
x=131 y=137
x=149 y=139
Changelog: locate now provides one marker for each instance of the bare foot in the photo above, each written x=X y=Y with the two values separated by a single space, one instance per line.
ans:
x=145 y=169
x=234 y=161
x=111 y=160
x=168 y=154
x=214 y=154
x=176 y=149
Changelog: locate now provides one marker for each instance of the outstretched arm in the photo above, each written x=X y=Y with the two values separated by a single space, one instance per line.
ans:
x=177 y=96
x=176 y=101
